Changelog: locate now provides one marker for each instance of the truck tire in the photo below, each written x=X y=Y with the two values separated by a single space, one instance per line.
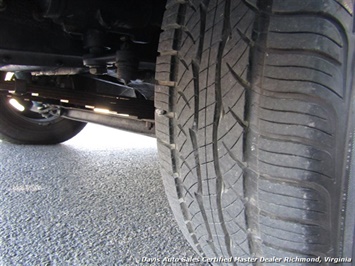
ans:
x=30 y=128
x=255 y=127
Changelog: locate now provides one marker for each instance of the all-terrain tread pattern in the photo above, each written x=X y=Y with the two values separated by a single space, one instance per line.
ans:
x=249 y=136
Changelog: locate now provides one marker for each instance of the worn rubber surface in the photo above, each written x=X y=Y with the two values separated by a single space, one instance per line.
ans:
x=15 y=129
x=254 y=125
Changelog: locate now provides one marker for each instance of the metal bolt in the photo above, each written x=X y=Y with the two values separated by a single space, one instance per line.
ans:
x=160 y=112
x=97 y=70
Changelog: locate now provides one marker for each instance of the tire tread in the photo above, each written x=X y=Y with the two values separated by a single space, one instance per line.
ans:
x=254 y=130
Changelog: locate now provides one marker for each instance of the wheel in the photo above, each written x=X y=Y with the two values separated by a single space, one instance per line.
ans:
x=38 y=123
x=255 y=121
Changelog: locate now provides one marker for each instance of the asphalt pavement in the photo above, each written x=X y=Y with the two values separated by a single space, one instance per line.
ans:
x=96 y=199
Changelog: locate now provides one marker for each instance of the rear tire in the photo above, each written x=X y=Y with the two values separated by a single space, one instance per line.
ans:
x=255 y=123
x=18 y=129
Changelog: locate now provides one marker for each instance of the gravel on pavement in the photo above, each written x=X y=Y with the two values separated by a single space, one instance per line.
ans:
x=96 y=199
